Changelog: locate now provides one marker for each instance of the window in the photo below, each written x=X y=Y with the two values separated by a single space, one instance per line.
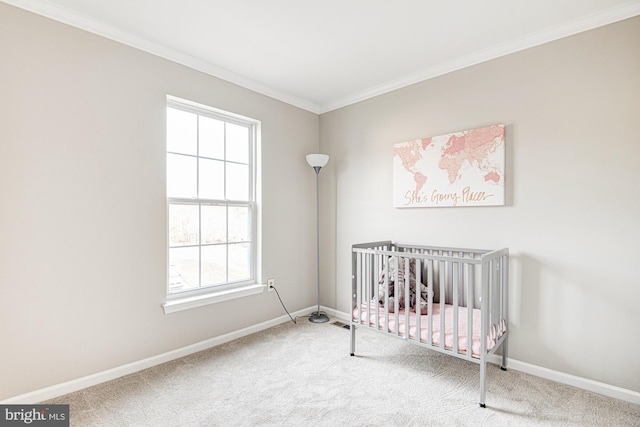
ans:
x=211 y=199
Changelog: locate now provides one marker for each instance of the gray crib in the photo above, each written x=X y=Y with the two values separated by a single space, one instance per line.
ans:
x=455 y=300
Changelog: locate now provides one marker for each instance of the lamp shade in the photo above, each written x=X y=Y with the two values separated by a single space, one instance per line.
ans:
x=317 y=160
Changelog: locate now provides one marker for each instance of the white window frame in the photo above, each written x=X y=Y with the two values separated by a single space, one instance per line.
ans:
x=191 y=298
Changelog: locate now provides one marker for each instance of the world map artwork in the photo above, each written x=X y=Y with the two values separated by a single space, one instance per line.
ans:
x=459 y=169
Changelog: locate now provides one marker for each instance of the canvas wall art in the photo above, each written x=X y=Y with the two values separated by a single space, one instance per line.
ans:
x=459 y=169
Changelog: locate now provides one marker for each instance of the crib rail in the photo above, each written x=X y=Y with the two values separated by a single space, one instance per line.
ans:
x=464 y=293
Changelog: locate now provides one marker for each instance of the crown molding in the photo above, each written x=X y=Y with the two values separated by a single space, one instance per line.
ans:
x=589 y=22
x=69 y=17
x=77 y=20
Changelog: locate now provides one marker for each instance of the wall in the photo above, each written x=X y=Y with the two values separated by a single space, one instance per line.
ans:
x=571 y=110
x=82 y=223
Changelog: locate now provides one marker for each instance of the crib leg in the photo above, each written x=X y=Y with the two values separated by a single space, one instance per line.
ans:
x=504 y=354
x=352 y=328
x=483 y=382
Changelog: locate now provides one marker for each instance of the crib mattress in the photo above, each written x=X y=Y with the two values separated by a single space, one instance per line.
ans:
x=379 y=323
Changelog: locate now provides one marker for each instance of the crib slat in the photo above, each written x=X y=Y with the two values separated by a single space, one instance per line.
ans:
x=496 y=295
x=375 y=288
x=470 y=303
x=386 y=294
x=442 y=301
x=501 y=294
x=430 y=302
x=490 y=304
x=461 y=283
x=359 y=286
x=407 y=287
x=455 y=278
x=367 y=286
x=505 y=289
x=418 y=299
x=396 y=300
x=449 y=279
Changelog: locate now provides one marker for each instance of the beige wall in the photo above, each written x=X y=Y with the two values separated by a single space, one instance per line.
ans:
x=572 y=219
x=82 y=223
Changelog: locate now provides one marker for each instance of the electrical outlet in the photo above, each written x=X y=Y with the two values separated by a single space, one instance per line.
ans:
x=270 y=284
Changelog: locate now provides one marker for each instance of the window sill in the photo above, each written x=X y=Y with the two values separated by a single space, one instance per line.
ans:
x=189 y=302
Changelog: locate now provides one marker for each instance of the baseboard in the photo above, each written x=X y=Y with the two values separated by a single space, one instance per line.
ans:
x=572 y=380
x=130 y=368
x=549 y=374
x=334 y=313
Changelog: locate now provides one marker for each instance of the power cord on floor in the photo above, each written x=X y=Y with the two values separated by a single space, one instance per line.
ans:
x=294 y=320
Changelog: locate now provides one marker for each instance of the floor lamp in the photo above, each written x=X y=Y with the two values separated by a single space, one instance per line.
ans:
x=317 y=161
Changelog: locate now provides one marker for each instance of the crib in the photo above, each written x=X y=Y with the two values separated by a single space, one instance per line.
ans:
x=450 y=300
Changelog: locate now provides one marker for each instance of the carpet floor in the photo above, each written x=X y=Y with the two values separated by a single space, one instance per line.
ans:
x=294 y=375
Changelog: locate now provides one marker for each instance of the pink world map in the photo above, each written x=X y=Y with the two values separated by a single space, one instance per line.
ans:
x=454 y=165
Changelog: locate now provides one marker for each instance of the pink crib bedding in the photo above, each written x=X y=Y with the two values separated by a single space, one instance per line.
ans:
x=424 y=326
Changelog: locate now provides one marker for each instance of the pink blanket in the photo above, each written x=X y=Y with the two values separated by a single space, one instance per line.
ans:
x=424 y=326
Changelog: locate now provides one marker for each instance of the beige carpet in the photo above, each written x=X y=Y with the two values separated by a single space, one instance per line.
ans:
x=295 y=375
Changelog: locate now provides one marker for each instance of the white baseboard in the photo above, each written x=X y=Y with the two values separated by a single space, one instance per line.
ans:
x=334 y=313
x=572 y=380
x=57 y=390
x=120 y=371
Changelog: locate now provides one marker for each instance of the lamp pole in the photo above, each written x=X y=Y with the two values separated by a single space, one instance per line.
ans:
x=318 y=317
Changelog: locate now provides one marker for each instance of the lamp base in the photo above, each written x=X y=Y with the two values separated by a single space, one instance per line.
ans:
x=318 y=317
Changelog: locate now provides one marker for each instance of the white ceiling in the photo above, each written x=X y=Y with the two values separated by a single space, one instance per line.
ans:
x=322 y=55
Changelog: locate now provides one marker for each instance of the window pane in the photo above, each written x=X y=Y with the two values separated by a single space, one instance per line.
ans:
x=211 y=138
x=214 y=265
x=209 y=167
x=183 y=225
x=181 y=131
x=237 y=182
x=184 y=262
x=237 y=143
x=214 y=224
x=181 y=176
x=239 y=262
x=239 y=224
x=211 y=179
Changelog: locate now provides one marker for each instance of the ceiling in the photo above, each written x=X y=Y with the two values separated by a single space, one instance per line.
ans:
x=323 y=55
